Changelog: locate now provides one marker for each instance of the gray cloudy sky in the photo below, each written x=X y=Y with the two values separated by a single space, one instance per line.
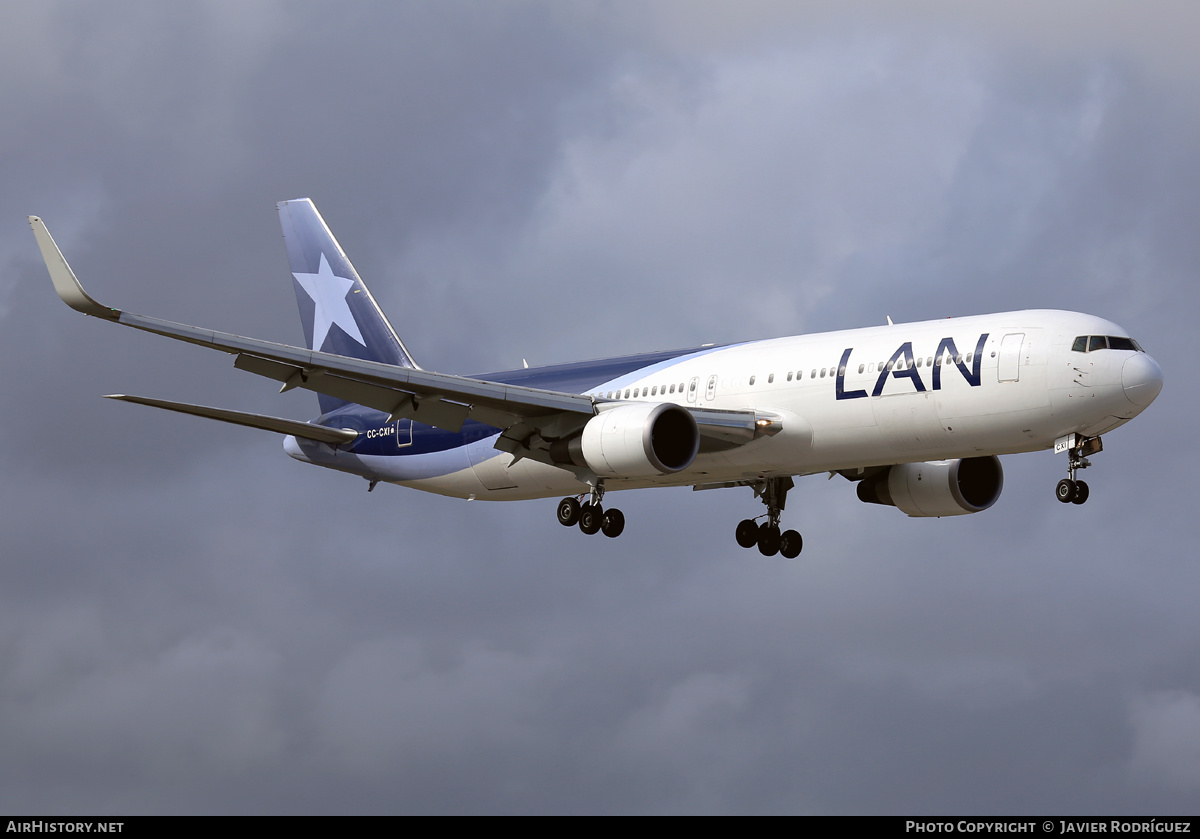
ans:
x=190 y=622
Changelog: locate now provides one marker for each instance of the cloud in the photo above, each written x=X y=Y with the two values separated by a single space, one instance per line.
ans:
x=191 y=622
x=1166 y=739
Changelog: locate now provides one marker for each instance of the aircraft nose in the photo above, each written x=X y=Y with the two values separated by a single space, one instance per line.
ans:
x=1141 y=378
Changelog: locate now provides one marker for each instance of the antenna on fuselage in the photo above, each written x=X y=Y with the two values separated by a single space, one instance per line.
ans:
x=889 y=320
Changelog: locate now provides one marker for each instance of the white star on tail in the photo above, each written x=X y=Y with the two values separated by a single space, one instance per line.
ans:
x=328 y=293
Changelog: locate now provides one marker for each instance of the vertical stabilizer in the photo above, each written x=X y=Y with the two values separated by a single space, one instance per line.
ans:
x=337 y=311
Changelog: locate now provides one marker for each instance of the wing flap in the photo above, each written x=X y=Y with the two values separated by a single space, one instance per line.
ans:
x=398 y=403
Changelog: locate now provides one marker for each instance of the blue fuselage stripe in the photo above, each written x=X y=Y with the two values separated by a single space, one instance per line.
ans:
x=409 y=438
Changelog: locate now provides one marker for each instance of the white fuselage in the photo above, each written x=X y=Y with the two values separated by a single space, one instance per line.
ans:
x=935 y=390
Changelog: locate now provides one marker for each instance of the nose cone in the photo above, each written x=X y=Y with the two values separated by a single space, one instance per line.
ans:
x=1141 y=378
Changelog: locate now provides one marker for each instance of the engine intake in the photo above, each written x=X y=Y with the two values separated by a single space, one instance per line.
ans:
x=634 y=441
x=937 y=488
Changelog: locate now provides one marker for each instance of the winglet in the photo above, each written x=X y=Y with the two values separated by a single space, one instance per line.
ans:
x=63 y=277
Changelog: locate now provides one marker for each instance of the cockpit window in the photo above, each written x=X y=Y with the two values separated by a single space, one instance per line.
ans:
x=1091 y=343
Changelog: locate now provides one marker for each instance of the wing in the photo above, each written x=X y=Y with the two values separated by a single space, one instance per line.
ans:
x=529 y=418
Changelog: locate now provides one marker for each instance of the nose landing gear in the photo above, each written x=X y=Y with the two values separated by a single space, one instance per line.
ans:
x=1070 y=490
x=767 y=536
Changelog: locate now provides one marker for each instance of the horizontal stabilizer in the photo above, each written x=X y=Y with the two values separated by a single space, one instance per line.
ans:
x=279 y=425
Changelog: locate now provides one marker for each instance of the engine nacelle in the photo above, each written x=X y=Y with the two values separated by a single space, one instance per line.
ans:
x=634 y=441
x=937 y=488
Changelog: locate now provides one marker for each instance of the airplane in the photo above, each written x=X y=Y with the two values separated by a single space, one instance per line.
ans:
x=916 y=414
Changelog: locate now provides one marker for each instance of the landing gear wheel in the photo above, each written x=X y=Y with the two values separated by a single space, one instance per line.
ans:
x=747 y=533
x=1065 y=491
x=568 y=512
x=790 y=544
x=590 y=517
x=612 y=523
x=1081 y=492
x=768 y=540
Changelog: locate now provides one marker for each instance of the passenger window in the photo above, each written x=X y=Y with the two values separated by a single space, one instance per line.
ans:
x=841 y=371
x=789 y=375
x=672 y=388
x=919 y=360
x=813 y=375
x=823 y=372
x=751 y=380
x=970 y=355
x=626 y=393
x=861 y=367
x=771 y=379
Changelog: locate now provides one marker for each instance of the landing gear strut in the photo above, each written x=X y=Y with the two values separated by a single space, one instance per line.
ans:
x=773 y=492
x=590 y=515
x=1069 y=490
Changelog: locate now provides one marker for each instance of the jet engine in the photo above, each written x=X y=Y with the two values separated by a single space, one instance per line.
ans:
x=633 y=441
x=937 y=488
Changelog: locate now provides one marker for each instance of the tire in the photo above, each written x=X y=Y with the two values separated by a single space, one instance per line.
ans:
x=790 y=544
x=568 y=512
x=1065 y=491
x=612 y=523
x=590 y=518
x=768 y=540
x=1081 y=492
x=747 y=533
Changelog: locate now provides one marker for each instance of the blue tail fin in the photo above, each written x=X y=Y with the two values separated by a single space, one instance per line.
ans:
x=337 y=310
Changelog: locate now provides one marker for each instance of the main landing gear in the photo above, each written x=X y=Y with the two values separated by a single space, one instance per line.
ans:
x=770 y=541
x=1069 y=490
x=590 y=516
